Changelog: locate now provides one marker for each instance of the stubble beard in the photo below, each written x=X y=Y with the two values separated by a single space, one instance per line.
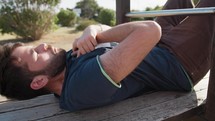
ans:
x=57 y=64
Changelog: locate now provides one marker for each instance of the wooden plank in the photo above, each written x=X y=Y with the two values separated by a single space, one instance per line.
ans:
x=145 y=107
x=32 y=113
x=188 y=115
x=210 y=105
x=153 y=107
x=27 y=104
x=3 y=99
x=122 y=7
x=126 y=112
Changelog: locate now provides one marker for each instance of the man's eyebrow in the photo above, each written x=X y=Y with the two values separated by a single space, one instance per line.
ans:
x=31 y=51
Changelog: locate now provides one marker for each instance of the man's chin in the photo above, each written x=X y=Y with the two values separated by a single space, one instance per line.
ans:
x=57 y=64
x=62 y=60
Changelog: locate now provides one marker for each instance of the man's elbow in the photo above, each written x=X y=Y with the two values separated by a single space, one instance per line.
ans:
x=155 y=30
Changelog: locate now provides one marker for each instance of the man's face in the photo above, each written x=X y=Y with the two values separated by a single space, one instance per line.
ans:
x=42 y=58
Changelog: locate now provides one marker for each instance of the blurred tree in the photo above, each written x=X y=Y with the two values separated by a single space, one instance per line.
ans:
x=150 y=9
x=85 y=23
x=195 y=1
x=147 y=9
x=29 y=19
x=66 y=18
x=89 y=8
x=107 y=16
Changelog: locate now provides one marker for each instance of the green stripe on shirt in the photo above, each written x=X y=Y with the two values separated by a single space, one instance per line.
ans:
x=106 y=75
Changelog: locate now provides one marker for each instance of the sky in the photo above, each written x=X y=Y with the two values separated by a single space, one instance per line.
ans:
x=111 y=4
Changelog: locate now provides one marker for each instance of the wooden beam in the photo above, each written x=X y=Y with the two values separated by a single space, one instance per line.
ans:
x=210 y=104
x=122 y=7
x=155 y=106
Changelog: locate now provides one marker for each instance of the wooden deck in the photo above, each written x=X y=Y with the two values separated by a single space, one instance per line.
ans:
x=148 y=107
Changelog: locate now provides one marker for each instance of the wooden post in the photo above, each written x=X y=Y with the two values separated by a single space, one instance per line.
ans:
x=210 y=103
x=122 y=7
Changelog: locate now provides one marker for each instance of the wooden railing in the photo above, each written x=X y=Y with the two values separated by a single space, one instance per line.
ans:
x=123 y=9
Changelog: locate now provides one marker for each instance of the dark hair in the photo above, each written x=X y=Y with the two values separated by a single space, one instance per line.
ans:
x=15 y=80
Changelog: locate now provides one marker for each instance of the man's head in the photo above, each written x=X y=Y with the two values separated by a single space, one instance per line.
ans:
x=25 y=70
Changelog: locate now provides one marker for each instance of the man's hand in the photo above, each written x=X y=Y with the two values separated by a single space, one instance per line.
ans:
x=86 y=43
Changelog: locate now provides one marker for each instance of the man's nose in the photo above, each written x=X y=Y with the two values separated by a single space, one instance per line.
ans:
x=41 y=48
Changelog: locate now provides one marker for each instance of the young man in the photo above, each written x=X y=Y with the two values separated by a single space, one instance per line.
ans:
x=143 y=60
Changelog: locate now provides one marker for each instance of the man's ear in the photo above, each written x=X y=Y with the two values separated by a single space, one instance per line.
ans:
x=39 y=82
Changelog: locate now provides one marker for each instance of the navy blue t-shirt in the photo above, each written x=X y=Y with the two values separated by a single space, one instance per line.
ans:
x=86 y=84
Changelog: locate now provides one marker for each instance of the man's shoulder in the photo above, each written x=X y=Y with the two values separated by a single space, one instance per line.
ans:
x=80 y=79
x=76 y=66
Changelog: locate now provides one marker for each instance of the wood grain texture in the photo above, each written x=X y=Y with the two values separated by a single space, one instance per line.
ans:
x=148 y=107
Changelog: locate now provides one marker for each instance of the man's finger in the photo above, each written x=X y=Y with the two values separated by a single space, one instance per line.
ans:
x=94 y=42
x=78 y=54
x=81 y=51
x=86 y=47
x=74 y=53
x=90 y=46
x=74 y=45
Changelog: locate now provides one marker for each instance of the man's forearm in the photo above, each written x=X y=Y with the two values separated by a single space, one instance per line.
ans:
x=136 y=41
x=117 y=33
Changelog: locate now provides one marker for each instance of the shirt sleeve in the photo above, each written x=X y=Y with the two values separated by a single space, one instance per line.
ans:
x=106 y=75
x=89 y=86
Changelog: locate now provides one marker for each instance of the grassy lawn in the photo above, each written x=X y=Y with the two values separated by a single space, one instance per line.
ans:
x=62 y=37
x=6 y=37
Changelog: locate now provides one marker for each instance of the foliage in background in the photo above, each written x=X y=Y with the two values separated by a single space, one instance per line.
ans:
x=29 y=19
x=66 y=18
x=147 y=9
x=107 y=16
x=89 y=8
x=150 y=9
x=195 y=1
x=85 y=23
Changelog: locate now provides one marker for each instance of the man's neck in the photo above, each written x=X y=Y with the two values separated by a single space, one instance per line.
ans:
x=55 y=85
